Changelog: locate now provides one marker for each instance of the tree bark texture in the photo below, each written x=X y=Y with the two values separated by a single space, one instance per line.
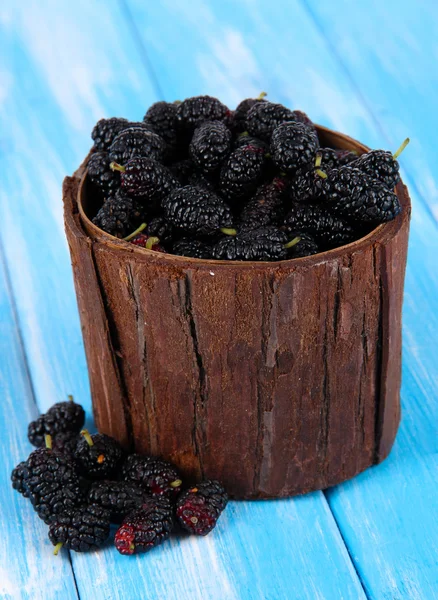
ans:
x=275 y=378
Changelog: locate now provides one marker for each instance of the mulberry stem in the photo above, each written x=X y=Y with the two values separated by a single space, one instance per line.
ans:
x=292 y=243
x=400 y=150
x=70 y=397
x=116 y=167
x=87 y=437
x=318 y=160
x=176 y=483
x=228 y=231
x=152 y=241
x=261 y=96
x=321 y=173
x=48 y=441
x=57 y=548
x=132 y=235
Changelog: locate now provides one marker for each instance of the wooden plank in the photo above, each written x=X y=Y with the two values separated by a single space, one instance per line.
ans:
x=51 y=103
x=28 y=568
x=392 y=543
x=388 y=51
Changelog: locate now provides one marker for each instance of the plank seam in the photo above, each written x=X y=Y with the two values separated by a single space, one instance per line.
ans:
x=20 y=340
x=144 y=58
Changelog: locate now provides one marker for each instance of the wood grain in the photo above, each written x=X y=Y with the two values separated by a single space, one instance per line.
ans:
x=28 y=569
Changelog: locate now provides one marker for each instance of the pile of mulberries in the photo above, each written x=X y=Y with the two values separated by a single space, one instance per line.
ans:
x=85 y=486
x=197 y=179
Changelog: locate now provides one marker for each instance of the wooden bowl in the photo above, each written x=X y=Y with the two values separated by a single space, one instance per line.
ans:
x=276 y=378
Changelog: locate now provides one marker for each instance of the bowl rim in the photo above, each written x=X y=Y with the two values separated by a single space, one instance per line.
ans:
x=380 y=234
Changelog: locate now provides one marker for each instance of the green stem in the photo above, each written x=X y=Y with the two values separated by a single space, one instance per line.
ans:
x=87 y=437
x=400 y=150
x=70 y=397
x=116 y=167
x=152 y=241
x=57 y=548
x=176 y=483
x=318 y=160
x=321 y=173
x=261 y=96
x=292 y=243
x=228 y=231
x=48 y=441
x=132 y=235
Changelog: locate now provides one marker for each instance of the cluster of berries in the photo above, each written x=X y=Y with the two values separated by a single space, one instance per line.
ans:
x=199 y=180
x=80 y=484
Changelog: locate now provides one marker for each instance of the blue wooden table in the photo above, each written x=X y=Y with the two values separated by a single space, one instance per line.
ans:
x=367 y=69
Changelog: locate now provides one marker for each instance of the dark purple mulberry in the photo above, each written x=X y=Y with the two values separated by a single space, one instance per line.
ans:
x=242 y=172
x=161 y=118
x=329 y=231
x=146 y=527
x=293 y=147
x=80 y=528
x=137 y=141
x=157 y=476
x=196 y=211
x=106 y=130
x=194 y=111
x=239 y=116
x=210 y=145
x=62 y=417
x=264 y=117
x=146 y=180
x=191 y=248
x=104 y=180
x=266 y=207
x=98 y=456
x=118 y=497
x=120 y=215
x=266 y=243
x=17 y=479
x=199 y=507
x=332 y=159
x=380 y=165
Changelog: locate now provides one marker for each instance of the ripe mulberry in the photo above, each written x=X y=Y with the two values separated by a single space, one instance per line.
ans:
x=81 y=529
x=239 y=116
x=196 y=211
x=119 y=215
x=137 y=141
x=98 y=456
x=191 y=248
x=293 y=147
x=266 y=207
x=157 y=476
x=199 y=508
x=118 y=497
x=264 y=117
x=105 y=181
x=62 y=417
x=161 y=118
x=146 y=180
x=242 y=172
x=330 y=231
x=146 y=527
x=265 y=243
x=210 y=145
x=194 y=111
x=106 y=130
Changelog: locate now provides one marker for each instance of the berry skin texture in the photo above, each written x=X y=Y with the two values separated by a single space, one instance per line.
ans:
x=17 y=479
x=194 y=111
x=328 y=230
x=137 y=141
x=266 y=207
x=146 y=527
x=380 y=165
x=244 y=139
x=156 y=476
x=160 y=228
x=62 y=417
x=147 y=180
x=104 y=180
x=293 y=147
x=305 y=247
x=264 y=117
x=118 y=497
x=51 y=483
x=332 y=159
x=196 y=211
x=99 y=460
x=119 y=215
x=242 y=172
x=106 y=130
x=199 y=508
x=354 y=195
x=182 y=170
x=210 y=145
x=161 y=118
x=81 y=529
x=239 y=116
x=265 y=243
x=191 y=248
